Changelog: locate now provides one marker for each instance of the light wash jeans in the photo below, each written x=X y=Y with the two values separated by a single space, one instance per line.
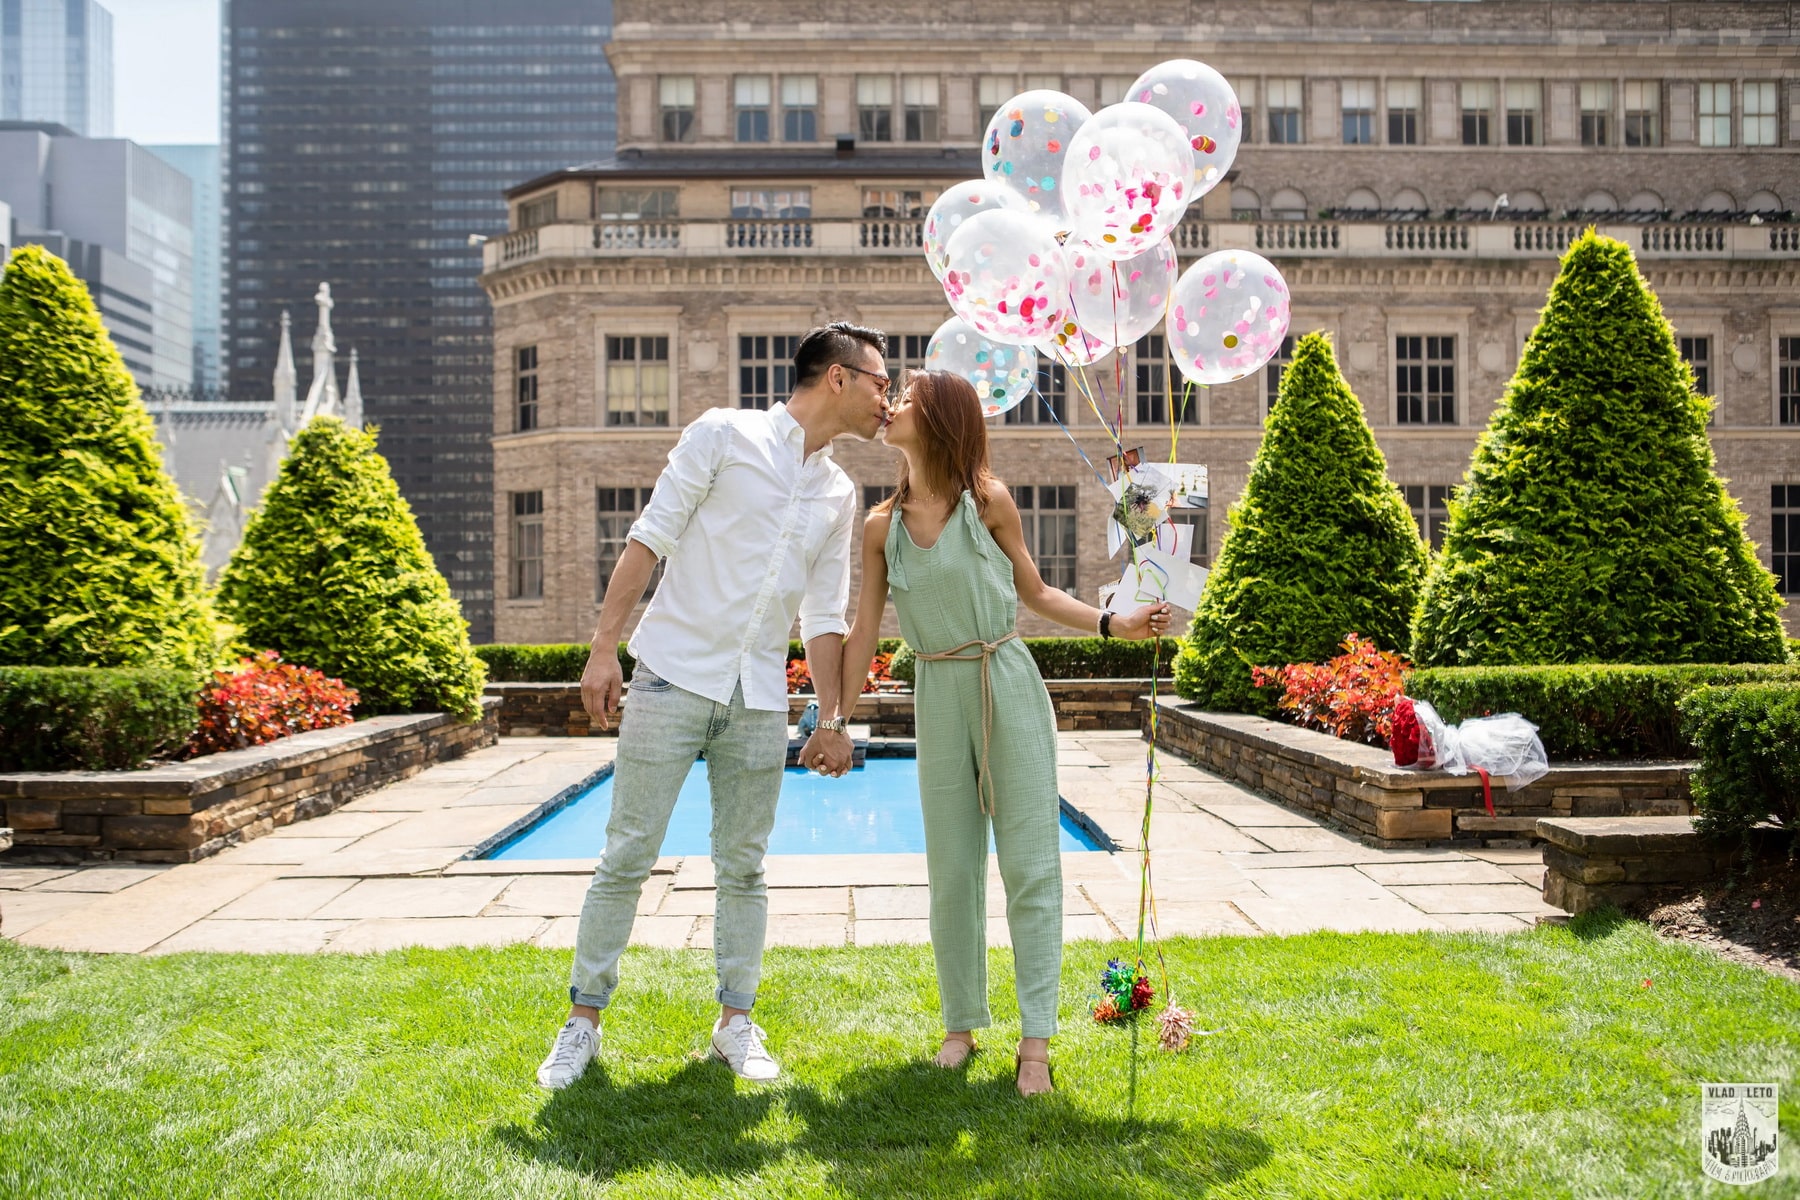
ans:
x=664 y=730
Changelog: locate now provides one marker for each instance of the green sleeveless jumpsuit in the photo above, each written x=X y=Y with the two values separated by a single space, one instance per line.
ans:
x=959 y=590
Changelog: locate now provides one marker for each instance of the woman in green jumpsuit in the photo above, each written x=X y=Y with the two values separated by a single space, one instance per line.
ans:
x=950 y=547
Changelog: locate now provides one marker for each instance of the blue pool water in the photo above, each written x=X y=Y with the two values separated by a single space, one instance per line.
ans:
x=872 y=810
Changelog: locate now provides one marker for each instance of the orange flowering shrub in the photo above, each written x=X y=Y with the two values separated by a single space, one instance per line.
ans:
x=799 y=675
x=265 y=699
x=1352 y=696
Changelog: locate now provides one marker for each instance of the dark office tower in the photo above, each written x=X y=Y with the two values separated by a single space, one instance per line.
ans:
x=365 y=141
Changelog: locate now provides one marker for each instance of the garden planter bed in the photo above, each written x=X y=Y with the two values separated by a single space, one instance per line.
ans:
x=1359 y=788
x=182 y=812
x=554 y=709
x=1593 y=862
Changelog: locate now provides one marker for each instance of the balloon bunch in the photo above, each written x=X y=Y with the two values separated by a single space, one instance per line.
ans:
x=1064 y=247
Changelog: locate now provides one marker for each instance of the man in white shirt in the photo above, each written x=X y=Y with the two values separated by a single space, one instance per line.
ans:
x=755 y=521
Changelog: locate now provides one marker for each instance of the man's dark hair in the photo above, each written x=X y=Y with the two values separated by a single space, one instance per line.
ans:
x=833 y=345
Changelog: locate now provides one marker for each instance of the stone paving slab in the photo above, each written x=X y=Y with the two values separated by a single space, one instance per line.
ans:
x=1483 y=922
x=458 y=827
x=340 y=823
x=358 y=862
x=1386 y=914
x=1218 y=918
x=905 y=931
x=134 y=919
x=1464 y=871
x=21 y=912
x=395 y=933
x=290 y=852
x=103 y=879
x=252 y=937
x=1476 y=898
x=891 y=903
x=20 y=878
x=1257 y=816
x=284 y=900
x=1295 y=839
x=439 y=897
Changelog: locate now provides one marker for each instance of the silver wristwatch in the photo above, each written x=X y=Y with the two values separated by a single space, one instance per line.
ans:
x=835 y=725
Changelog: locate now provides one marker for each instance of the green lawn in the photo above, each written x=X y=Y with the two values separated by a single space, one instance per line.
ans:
x=1374 y=1065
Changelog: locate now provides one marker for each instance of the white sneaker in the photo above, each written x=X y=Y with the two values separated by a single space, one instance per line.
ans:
x=739 y=1045
x=576 y=1044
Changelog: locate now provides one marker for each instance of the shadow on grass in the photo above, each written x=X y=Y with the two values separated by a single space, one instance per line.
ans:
x=889 y=1130
x=1598 y=924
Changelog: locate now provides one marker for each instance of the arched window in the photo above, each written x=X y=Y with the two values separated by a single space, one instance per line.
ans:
x=1480 y=199
x=1601 y=201
x=1408 y=200
x=1362 y=199
x=1527 y=203
x=1245 y=204
x=1717 y=202
x=1763 y=202
x=1645 y=202
x=1288 y=205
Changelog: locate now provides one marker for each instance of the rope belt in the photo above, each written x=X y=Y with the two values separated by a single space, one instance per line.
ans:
x=984 y=781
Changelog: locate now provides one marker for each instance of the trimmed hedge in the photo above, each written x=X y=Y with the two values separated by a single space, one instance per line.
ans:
x=1588 y=710
x=1749 y=768
x=1057 y=658
x=93 y=718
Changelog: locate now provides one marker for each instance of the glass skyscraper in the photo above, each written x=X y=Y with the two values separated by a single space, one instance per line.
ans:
x=56 y=64
x=365 y=141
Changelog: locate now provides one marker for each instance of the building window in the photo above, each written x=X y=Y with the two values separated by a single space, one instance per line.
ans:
x=1643 y=112
x=1425 y=380
x=1053 y=386
x=876 y=493
x=771 y=204
x=800 y=108
x=905 y=352
x=1784 y=537
x=1404 y=98
x=1477 y=111
x=1787 y=367
x=1759 y=114
x=894 y=202
x=528 y=546
x=919 y=98
x=1043 y=83
x=1246 y=94
x=1524 y=103
x=875 y=108
x=1430 y=504
x=637 y=204
x=637 y=381
x=1114 y=87
x=1358 y=106
x=677 y=98
x=1153 y=375
x=1275 y=370
x=750 y=97
x=615 y=509
x=1596 y=113
x=539 y=212
x=1285 y=111
x=1715 y=114
x=525 y=408
x=991 y=91
x=1048 y=514
x=765 y=369
x=1697 y=353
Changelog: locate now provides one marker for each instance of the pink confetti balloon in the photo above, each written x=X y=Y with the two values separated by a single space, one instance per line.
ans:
x=1227 y=316
x=991 y=283
x=1119 y=301
x=1003 y=374
x=1025 y=144
x=1127 y=179
x=1203 y=104
x=956 y=205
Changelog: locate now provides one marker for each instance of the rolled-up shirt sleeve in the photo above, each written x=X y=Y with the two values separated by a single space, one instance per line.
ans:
x=828 y=579
x=683 y=484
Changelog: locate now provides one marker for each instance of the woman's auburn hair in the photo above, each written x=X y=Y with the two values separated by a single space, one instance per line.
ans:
x=953 y=441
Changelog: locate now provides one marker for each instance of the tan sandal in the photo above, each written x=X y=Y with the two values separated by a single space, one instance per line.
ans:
x=948 y=1055
x=1019 y=1062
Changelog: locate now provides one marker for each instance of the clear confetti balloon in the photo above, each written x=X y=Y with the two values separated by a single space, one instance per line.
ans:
x=1118 y=302
x=1127 y=179
x=1025 y=144
x=1003 y=374
x=1205 y=107
x=1006 y=276
x=958 y=204
x=1227 y=316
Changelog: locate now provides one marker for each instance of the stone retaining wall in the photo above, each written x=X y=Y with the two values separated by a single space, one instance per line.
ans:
x=1618 y=860
x=554 y=709
x=182 y=812
x=1359 y=788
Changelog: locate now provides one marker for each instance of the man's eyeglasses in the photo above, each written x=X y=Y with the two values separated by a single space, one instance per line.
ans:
x=882 y=382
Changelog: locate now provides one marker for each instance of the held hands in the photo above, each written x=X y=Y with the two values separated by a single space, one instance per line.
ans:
x=1146 y=621
x=829 y=752
x=602 y=680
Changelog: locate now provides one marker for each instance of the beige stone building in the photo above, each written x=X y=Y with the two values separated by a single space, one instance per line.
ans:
x=1413 y=168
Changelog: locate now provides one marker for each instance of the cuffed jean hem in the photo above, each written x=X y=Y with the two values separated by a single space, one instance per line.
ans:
x=587 y=1000
x=981 y=1022
x=743 y=1000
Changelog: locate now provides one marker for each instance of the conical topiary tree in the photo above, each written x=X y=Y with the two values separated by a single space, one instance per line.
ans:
x=1592 y=526
x=1319 y=546
x=99 y=558
x=334 y=574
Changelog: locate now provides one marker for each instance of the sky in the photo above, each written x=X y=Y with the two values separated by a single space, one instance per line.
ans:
x=165 y=70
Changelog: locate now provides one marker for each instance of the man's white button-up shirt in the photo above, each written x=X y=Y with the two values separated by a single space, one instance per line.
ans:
x=754 y=532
